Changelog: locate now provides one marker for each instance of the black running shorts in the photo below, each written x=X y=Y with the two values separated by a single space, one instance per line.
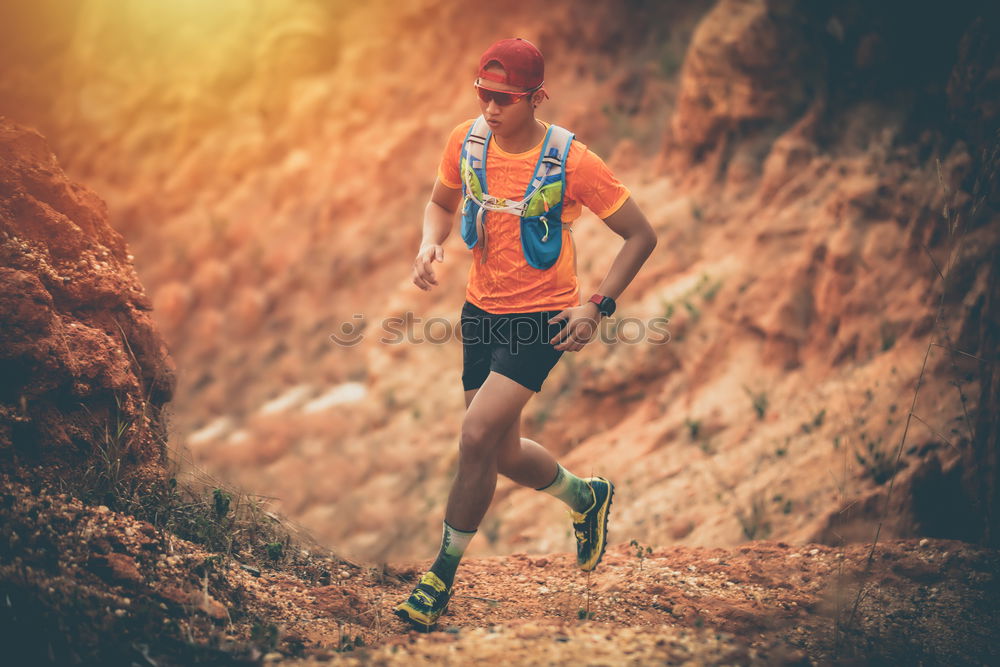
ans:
x=514 y=344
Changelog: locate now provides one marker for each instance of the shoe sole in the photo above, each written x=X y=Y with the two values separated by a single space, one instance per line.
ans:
x=607 y=513
x=420 y=626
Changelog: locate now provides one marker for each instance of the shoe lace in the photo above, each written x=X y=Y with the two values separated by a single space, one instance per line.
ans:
x=432 y=580
x=579 y=526
x=423 y=596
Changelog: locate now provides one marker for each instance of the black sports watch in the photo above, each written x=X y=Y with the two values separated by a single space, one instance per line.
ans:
x=605 y=304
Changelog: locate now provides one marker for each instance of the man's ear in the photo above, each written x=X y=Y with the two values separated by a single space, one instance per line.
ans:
x=538 y=97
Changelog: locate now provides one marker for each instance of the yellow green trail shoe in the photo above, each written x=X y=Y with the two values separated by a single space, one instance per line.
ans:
x=426 y=603
x=591 y=527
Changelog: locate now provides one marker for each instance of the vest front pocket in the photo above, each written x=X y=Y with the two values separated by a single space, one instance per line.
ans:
x=541 y=240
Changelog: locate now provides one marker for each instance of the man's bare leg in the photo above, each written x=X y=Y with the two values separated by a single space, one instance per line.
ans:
x=529 y=464
x=488 y=416
x=491 y=441
x=521 y=459
x=495 y=407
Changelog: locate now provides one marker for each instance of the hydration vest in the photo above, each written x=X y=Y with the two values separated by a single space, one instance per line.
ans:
x=541 y=209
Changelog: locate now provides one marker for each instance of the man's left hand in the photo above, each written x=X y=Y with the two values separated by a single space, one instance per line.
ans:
x=581 y=327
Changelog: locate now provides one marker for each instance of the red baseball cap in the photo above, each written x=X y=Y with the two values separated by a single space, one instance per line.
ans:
x=521 y=60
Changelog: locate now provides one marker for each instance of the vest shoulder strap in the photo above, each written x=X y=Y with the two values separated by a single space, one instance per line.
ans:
x=552 y=161
x=474 y=151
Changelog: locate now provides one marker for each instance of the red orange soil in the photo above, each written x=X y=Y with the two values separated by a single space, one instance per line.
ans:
x=106 y=574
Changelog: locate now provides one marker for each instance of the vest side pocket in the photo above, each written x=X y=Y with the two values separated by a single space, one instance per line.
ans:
x=469 y=232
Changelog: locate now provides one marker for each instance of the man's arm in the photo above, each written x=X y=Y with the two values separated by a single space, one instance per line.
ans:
x=640 y=238
x=439 y=216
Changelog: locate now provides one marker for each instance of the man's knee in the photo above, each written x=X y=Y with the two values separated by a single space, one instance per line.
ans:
x=508 y=456
x=480 y=439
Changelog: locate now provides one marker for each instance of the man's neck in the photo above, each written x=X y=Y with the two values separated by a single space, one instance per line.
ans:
x=524 y=139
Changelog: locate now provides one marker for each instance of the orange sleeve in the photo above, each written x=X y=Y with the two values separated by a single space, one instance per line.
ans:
x=596 y=187
x=448 y=168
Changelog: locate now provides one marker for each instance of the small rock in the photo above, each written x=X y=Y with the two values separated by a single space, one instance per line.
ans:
x=102 y=509
x=813 y=552
x=344 y=574
x=683 y=611
x=923 y=542
x=118 y=568
x=213 y=608
x=100 y=545
x=175 y=595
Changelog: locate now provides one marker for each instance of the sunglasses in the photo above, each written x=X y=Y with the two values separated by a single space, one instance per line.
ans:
x=502 y=98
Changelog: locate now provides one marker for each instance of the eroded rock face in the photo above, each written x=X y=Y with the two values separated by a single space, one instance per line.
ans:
x=83 y=370
x=826 y=77
x=743 y=70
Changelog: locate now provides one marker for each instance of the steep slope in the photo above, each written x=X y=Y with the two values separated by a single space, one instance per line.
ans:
x=829 y=287
x=85 y=372
x=271 y=185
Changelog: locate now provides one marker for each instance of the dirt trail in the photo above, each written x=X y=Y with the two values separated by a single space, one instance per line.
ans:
x=765 y=602
x=78 y=574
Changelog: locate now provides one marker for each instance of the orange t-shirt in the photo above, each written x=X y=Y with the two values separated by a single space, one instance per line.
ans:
x=506 y=283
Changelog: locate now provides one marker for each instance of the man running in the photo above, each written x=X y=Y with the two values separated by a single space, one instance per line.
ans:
x=522 y=308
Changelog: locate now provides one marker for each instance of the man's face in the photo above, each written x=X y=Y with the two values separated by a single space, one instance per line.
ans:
x=507 y=119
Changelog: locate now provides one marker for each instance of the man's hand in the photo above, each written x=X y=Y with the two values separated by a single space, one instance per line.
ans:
x=581 y=327
x=423 y=274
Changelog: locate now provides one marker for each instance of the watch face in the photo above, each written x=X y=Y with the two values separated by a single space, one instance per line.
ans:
x=605 y=305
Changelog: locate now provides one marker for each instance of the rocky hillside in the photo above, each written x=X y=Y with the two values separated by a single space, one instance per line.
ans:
x=85 y=373
x=814 y=194
x=83 y=582
x=824 y=185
